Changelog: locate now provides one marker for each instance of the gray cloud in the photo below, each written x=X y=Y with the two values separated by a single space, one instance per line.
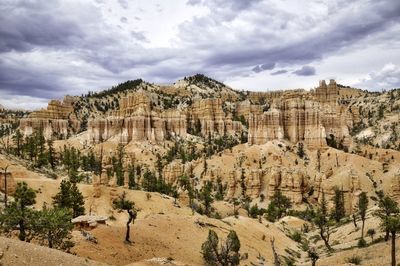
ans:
x=124 y=4
x=124 y=20
x=232 y=39
x=305 y=71
x=263 y=67
x=279 y=72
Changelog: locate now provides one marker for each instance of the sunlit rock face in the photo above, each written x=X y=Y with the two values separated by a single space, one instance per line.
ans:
x=56 y=120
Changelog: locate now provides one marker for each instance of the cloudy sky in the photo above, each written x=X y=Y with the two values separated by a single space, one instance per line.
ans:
x=52 y=48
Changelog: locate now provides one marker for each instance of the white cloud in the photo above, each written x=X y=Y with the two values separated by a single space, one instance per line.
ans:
x=386 y=78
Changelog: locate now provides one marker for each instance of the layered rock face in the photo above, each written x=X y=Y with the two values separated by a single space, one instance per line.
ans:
x=295 y=120
x=304 y=118
x=298 y=116
x=137 y=121
x=212 y=118
x=55 y=120
x=327 y=94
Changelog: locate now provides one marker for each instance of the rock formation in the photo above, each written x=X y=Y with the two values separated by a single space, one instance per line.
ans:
x=295 y=120
x=56 y=120
x=136 y=120
x=306 y=118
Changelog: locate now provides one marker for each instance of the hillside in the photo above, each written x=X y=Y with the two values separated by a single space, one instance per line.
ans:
x=198 y=155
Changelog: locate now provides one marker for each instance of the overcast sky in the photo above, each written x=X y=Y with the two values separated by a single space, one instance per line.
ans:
x=49 y=48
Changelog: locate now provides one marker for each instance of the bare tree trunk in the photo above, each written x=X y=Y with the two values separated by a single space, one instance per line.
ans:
x=128 y=229
x=362 y=229
x=276 y=256
x=393 y=248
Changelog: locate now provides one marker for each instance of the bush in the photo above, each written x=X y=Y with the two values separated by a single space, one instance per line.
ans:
x=296 y=236
x=354 y=260
x=362 y=243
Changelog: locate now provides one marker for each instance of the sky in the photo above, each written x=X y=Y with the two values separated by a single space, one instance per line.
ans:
x=52 y=48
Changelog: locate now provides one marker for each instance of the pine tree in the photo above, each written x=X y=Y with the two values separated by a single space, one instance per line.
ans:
x=53 y=226
x=300 y=150
x=278 y=206
x=70 y=198
x=387 y=208
x=362 y=209
x=131 y=177
x=18 y=214
x=243 y=184
x=18 y=139
x=338 y=212
x=51 y=154
x=41 y=149
x=123 y=204
x=206 y=196
x=224 y=253
x=322 y=222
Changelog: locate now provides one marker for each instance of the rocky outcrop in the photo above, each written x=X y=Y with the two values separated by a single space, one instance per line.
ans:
x=327 y=94
x=306 y=118
x=57 y=120
x=173 y=171
x=207 y=117
x=136 y=120
x=295 y=120
x=395 y=187
x=292 y=184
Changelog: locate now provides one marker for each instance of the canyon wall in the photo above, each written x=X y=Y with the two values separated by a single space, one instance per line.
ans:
x=298 y=116
x=309 y=118
x=294 y=120
x=56 y=120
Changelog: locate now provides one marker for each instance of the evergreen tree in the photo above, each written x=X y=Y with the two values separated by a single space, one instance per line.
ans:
x=338 y=212
x=131 y=177
x=123 y=204
x=278 y=206
x=362 y=210
x=51 y=154
x=387 y=208
x=224 y=253
x=53 y=226
x=392 y=224
x=149 y=182
x=18 y=214
x=300 y=150
x=70 y=198
x=41 y=149
x=243 y=184
x=205 y=195
x=18 y=140
x=321 y=220
x=118 y=165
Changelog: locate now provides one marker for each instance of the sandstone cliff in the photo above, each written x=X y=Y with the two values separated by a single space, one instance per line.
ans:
x=56 y=120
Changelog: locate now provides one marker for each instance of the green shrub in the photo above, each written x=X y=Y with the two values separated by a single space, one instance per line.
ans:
x=362 y=243
x=296 y=236
x=354 y=260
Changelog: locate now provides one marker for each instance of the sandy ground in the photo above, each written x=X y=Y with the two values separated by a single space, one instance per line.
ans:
x=15 y=252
